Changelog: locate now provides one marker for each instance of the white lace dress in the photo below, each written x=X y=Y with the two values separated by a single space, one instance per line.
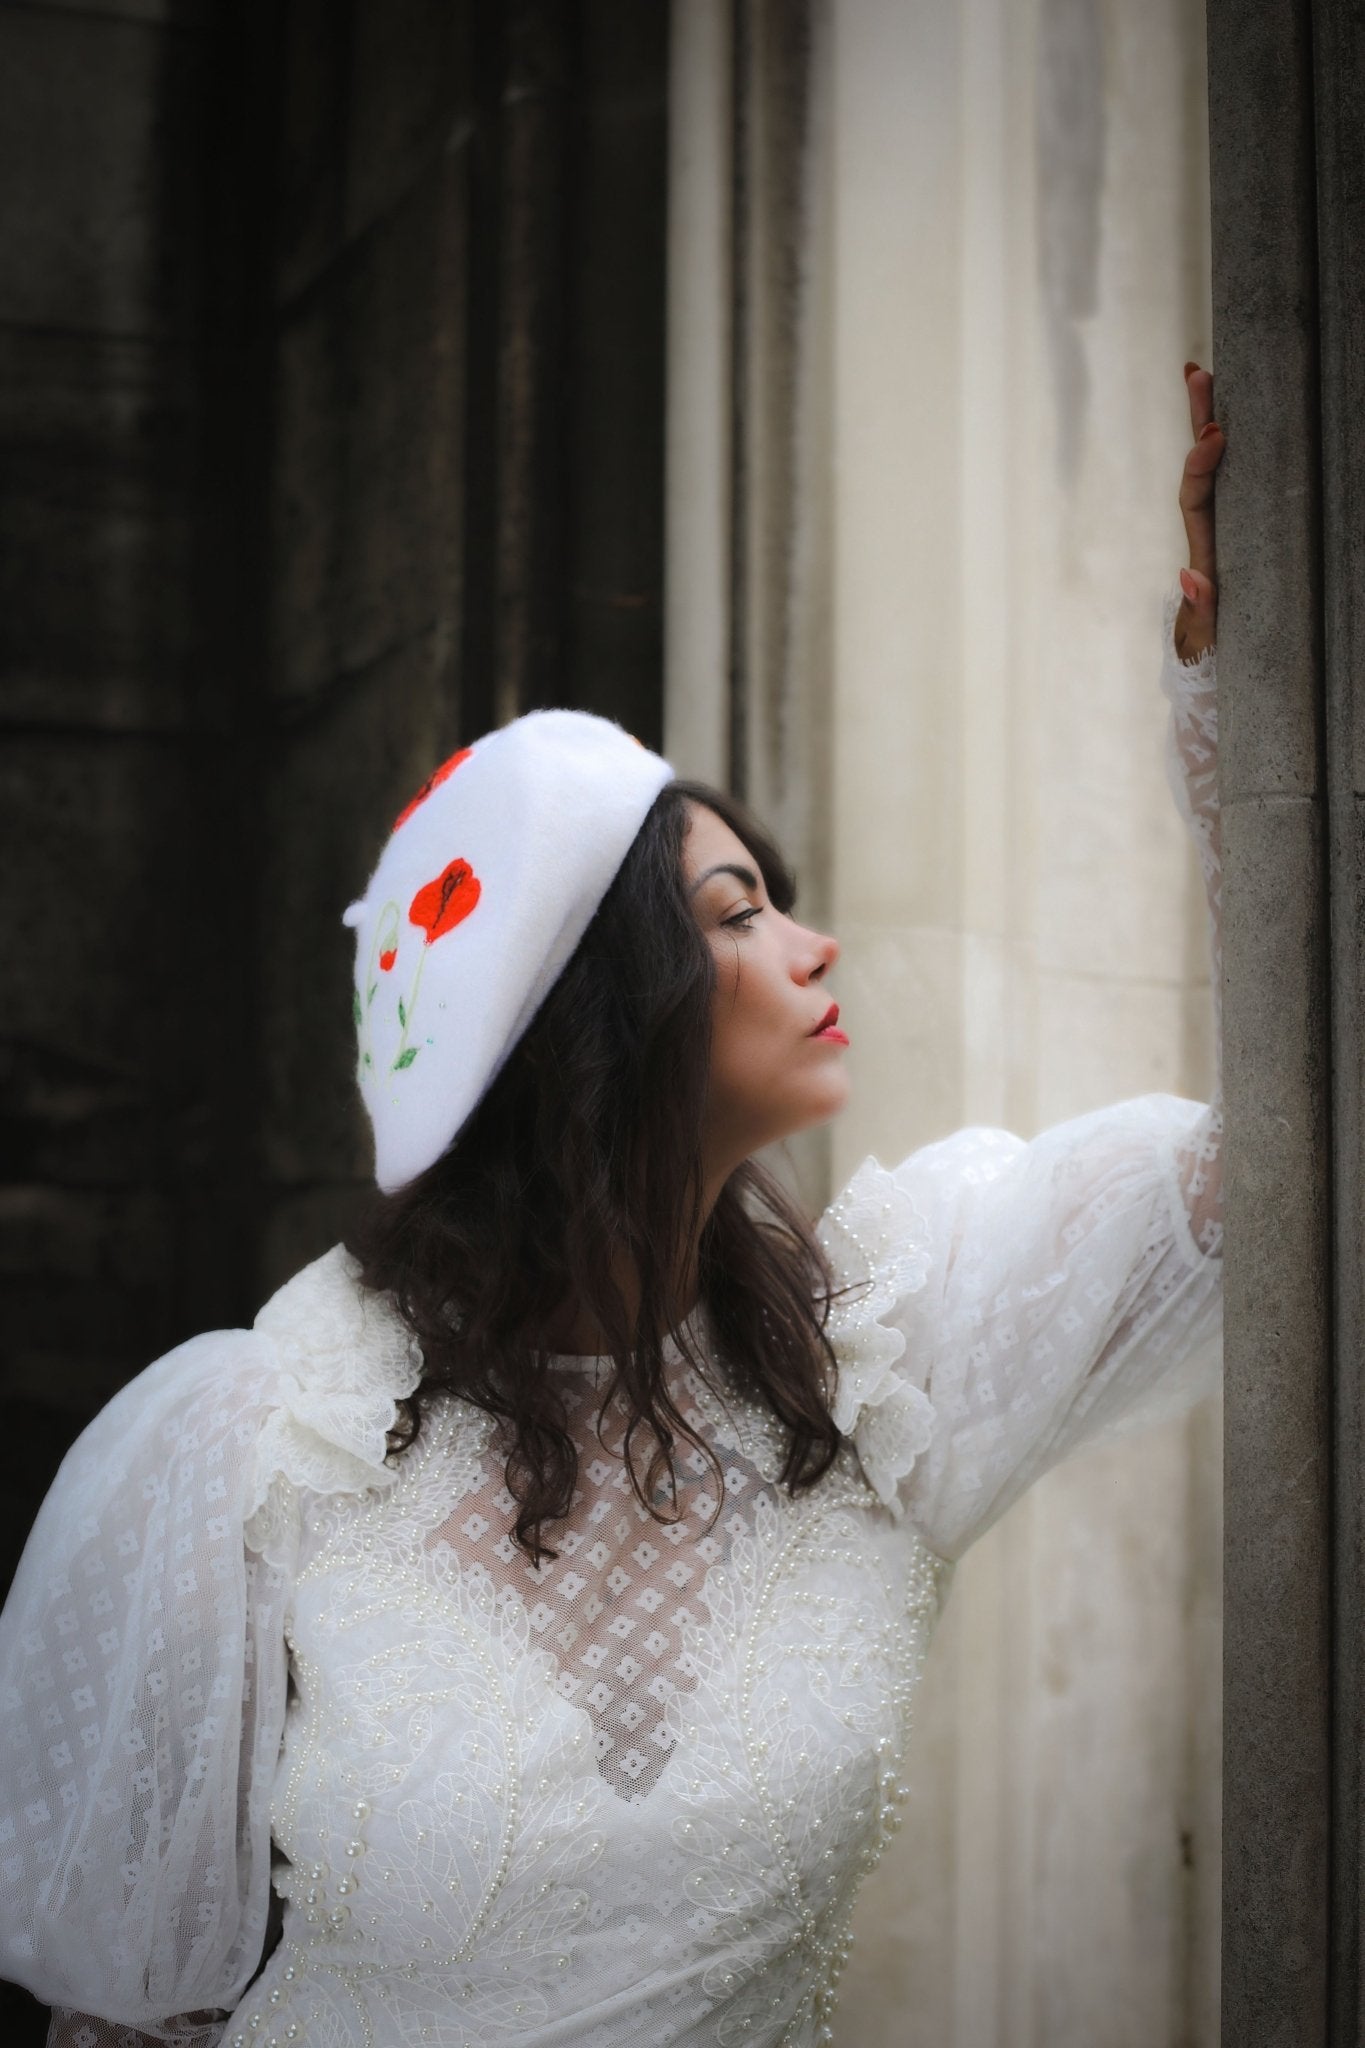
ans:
x=627 y=1797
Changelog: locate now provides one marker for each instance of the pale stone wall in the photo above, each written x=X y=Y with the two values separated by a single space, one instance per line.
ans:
x=1004 y=213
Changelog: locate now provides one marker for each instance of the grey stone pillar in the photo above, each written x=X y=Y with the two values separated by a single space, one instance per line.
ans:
x=1339 y=87
x=1286 y=101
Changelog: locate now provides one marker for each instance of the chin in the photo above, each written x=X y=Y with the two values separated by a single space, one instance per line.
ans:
x=831 y=1102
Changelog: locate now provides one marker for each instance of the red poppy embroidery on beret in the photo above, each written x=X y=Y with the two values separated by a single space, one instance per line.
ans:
x=383 y=951
x=436 y=909
x=440 y=905
x=433 y=781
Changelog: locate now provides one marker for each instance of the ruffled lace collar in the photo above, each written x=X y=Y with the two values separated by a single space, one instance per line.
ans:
x=878 y=1245
x=345 y=1358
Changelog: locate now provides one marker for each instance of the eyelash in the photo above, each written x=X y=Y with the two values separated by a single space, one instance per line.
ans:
x=743 y=918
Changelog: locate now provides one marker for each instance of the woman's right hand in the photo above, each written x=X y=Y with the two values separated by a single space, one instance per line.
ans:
x=1197 y=618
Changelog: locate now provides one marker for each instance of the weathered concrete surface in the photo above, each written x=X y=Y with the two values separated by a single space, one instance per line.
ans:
x=1265 y=339
x=97 y=220
x=96 y=530
x=613 y=572
x=1339 y=100
x=1277 y=1644
x=368 y=505
x=107 y=1034
x=1289 y=217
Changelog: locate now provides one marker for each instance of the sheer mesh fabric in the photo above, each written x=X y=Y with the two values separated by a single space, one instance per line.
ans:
x=614 y=1604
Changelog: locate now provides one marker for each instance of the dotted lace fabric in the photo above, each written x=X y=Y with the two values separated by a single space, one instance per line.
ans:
x=615 y=1604
x=630 y=1795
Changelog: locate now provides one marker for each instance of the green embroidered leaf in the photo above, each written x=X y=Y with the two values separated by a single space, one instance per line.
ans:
x=368 y=1061
x=405 y=1059
x=355 y=1007
x=402 y=1013
x=369 y=993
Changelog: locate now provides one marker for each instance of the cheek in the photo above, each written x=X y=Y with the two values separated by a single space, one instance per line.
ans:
x=731 y=1025
x=749 y=1021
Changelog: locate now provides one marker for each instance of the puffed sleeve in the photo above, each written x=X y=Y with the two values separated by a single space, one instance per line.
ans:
x=1009 y=1303
x=1006 y=1303
x=144 y=1668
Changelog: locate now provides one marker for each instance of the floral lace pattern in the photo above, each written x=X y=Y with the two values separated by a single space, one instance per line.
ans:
x=455 y=1802
x=344 y=1359
x=878 y=1245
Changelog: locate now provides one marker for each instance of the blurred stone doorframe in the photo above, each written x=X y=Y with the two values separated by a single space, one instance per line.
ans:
x=933 y=273
x=1287 y=108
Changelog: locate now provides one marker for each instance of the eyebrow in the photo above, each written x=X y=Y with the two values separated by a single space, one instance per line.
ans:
x=727 y=867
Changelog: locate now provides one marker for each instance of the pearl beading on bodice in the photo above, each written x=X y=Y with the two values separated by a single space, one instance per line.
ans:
x=775 y=1792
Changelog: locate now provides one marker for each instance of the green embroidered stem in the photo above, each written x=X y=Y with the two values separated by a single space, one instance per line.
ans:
x=406 y=1053
x=386 y=926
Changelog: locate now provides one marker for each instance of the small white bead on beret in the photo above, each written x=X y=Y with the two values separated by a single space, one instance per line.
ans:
x=489 y=880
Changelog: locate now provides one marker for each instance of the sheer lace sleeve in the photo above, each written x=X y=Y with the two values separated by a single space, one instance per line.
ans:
x=143 y=1701
x=80 y=2030
x=144 y=1663
x=1060 y=1291
x=1066 y=1301
x=1191 y=689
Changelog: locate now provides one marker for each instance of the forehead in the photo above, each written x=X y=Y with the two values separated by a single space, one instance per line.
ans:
x=710 y=841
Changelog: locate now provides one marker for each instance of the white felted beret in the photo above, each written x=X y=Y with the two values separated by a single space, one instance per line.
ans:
x=489 y=880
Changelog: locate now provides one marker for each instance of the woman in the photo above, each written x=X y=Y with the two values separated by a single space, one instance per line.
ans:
x=543 y=1581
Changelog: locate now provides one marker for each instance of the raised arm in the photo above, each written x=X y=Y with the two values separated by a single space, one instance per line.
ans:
x=1189 y=680
x=1071 y=1284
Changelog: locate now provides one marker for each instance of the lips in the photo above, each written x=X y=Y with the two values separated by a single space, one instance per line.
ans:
x=830 y=1017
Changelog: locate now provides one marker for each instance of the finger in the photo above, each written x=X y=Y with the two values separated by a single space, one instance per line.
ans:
x=1200 y=594
x=1200 y=544
x=1197 y=476
x=1202 y=461
x=1196 y=622
x=1199 y=389
x=1207 y=451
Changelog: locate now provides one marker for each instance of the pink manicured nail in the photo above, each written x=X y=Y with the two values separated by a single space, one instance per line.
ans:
x=1189 y=586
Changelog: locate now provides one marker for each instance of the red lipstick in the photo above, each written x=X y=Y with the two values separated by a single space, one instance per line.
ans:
x=828 y=1027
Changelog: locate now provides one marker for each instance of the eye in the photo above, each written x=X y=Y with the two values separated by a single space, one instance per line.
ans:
x=743 y=918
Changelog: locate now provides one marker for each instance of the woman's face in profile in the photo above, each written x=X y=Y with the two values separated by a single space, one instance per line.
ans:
x=777 y=1058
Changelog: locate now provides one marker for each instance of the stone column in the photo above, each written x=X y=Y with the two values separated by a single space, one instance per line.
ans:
x=1339 y=97
x=1285 y=83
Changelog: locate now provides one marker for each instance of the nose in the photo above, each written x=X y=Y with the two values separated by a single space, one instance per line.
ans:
x=819 y=952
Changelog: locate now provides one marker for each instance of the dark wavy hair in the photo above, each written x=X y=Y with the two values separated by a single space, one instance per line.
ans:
x=587 y=1145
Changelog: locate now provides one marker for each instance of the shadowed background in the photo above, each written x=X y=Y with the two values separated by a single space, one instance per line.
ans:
x=798 y=384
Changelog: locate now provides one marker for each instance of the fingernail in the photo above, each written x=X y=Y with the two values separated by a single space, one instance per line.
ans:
x=1211 y=427
x=1189 y=367
x=1189 y=586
